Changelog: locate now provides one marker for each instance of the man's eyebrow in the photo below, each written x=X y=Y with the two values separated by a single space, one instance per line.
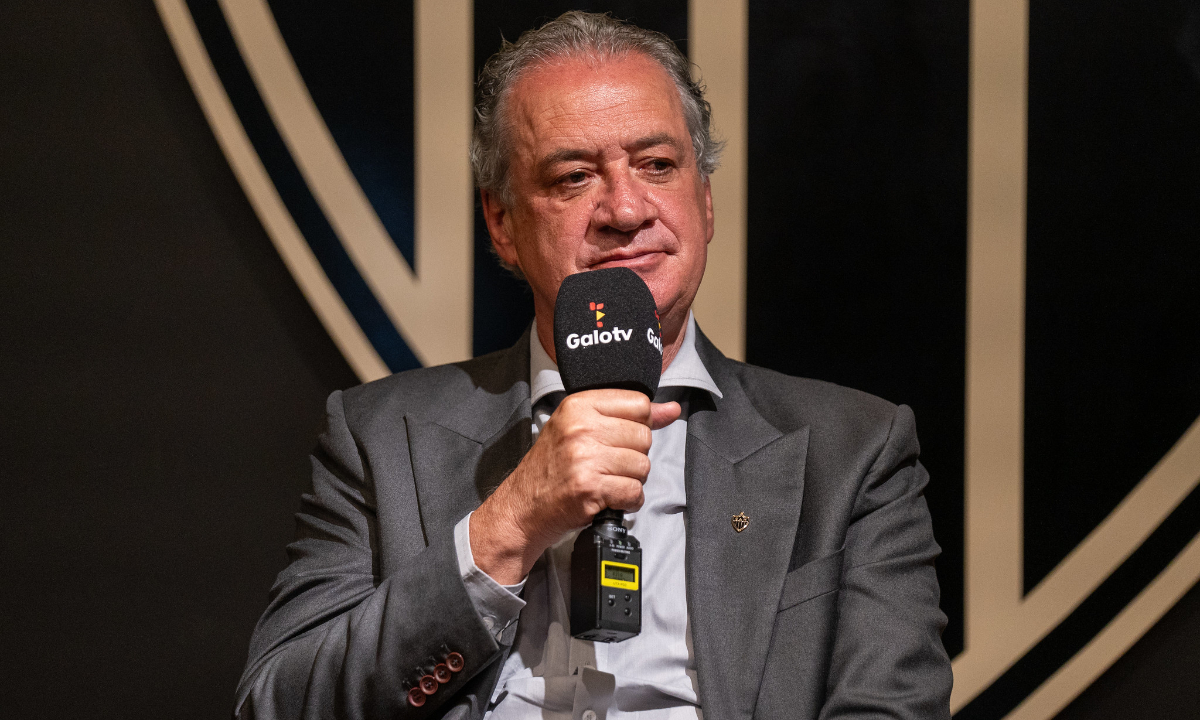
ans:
x=563 y=155
x=651 y=140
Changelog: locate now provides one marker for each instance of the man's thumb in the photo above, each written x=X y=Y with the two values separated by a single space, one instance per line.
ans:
x=663 y=414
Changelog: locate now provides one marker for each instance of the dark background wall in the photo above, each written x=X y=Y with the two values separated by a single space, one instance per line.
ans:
x=163 y=378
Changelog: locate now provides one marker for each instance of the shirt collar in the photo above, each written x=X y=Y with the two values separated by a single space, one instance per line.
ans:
x=686 y=370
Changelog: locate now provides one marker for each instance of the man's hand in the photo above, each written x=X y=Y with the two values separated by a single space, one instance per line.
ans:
x=592 y=454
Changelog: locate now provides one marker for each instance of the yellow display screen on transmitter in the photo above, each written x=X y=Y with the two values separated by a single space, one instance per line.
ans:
x=618 y=575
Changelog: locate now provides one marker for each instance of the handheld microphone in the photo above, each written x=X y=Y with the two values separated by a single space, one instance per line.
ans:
x=607 y=335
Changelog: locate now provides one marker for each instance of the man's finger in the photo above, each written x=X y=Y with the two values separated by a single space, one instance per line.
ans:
x=625 y=463
x=623 y=404
x=609 y=431
x=622 y=493
x=663 y=414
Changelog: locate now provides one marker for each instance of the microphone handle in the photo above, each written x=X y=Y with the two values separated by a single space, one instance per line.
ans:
x=609 y=515
x=609 y=523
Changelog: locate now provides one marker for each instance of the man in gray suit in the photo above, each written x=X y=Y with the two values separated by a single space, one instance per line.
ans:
x=788 y=554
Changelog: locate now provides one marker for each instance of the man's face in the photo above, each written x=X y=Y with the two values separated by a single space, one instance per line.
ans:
x=602 y=174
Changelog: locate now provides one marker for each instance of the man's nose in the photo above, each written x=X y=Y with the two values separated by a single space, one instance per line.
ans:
x=625 y=205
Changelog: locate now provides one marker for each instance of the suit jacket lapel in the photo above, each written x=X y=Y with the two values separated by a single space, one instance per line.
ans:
x=460 y=455
x=737 y=462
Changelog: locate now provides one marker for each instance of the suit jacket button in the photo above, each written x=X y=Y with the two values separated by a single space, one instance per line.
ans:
x=455 y=662
x=429 y=685
x=442 y=673
x=416 y=698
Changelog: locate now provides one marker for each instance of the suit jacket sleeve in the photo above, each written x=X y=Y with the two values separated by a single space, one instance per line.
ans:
x=337 y=640
x=888 y=660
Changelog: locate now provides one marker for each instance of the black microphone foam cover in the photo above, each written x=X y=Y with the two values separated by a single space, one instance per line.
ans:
x=607 y=333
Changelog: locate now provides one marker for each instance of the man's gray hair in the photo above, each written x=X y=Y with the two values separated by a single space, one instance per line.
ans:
x=577 y=34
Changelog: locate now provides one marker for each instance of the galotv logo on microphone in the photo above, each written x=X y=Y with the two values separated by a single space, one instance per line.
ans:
x=604 y=337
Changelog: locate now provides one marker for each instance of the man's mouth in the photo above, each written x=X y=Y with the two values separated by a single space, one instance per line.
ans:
x=632 y=260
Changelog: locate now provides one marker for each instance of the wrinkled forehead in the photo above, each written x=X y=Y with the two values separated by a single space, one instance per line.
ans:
x=592 y=101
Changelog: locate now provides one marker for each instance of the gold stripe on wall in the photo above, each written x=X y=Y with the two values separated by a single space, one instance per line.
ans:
x=995 y=336
x=717 y=43
x=1002 y=623
x=443 y=113
x=1117 y=637
x=268 y=206
x=430 y=311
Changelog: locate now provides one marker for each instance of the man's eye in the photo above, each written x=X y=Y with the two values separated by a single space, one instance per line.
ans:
x=658 y=167
x=573 y=178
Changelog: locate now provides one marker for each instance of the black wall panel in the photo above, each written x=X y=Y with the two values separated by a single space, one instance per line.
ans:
x=1113 y=283
x=162 y=379
x=857 y=219
x=1156 y=678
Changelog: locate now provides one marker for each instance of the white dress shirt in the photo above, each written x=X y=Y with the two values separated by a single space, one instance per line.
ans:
x=550 y=675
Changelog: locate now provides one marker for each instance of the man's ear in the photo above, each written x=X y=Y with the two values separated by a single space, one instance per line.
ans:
x=498 y=220
x=708 y=209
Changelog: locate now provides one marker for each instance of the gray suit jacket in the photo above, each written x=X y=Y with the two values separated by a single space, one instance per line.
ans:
x=825 y=606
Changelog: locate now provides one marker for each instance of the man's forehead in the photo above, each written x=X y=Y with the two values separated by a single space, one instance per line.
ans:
x=572 y=102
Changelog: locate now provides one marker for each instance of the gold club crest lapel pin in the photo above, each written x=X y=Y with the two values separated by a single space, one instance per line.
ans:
x=740 y=521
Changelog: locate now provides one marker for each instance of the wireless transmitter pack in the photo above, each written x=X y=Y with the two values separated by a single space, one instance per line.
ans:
x=606 y=569
x=607 y=335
